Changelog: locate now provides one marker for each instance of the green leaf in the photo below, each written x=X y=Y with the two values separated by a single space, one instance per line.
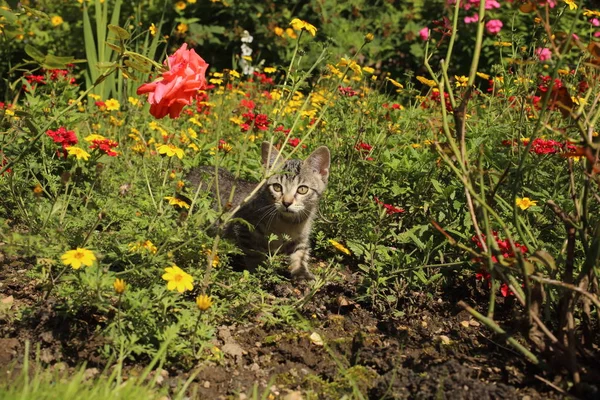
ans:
x=543 y=257
x=120 y=32
x=55 y=62
x=116 y=48
x=105 y=65
x=34 y=53
x=9 y=16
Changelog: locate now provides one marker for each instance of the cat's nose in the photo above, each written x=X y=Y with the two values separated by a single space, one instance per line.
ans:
x=286 y=204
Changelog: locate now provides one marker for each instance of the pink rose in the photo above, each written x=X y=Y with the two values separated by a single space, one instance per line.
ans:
x=544 y=54
x=595 y=21
x=493 y=26
x=424 y=33
x=178 y=86
x=472 y=19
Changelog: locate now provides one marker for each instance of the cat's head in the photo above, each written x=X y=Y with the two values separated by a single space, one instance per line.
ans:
x=297 y=185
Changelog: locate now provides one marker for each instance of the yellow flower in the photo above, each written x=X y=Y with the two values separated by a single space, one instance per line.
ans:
x=112 y=104
x=94 y=96
x=178 y=279
x=79 y=153
x=300 y=25
x=278 y=31
x=191 y=1
x=591 y=13
x=147 y=245
x=234 y=73
x=180 y=5
x=133 y=101
x=483 y=76
x=203 y=302
x=395 y=83
x=369 y=70
x=94 y=136
x=269 y=70
x=153 y=29
x=56 y=20
x=572 y=5
x=174 y=201
x=119 y=286
x=461 y=81
x=425 y=81
x=339 y=246
x=170 y=150
x=525 y=202
x=290 y=32
x=182 y=28
x=369 y=37
x=78 y=257
x=216 y=81
x=351 y=64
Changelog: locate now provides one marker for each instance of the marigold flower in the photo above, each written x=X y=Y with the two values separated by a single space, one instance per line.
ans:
x=204 y=302
x=461 y=81
x=170 y=150
x=112 y=105
x=425 y=81
x=79 y=153
x=339 y=246
x=178 y=279
x=525 y=202
x=178 y=86
x=78 y=257
x=395 y=83
x=572 y=5
x=301 y=25
x=119 y=286
x=174 y=201
x=56 y=20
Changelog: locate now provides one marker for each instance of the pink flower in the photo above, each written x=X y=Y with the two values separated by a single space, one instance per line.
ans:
x=424 y=33
x=472 y=19
x=493 y=26
x=178 y=86
x=595 y=21
x=489 y=4
x=544 y=54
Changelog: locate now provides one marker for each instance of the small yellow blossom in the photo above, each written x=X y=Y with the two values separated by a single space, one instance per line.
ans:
x=461 y=81
x=591 y=13
x=38 y=190
x=290 y=32
x=191 y=1
x=216 y=81
x=483 y=76
x=351 y=64
x=178 y=279
x=182 y=28
x=425 y=81
x=180 y=6
x=278 y=31
x=174 y=201
x=93 y=136
x=146 y=245
x=112 y=105
x=369 y=70
x=269 y=70
x=300 y=25
x=339 y=246
x=395 y=83
x=170 y=150
x=369 y=37
x=203 y=302
x=572 y=5
x=78 y=152
x=56 y=20
x=153 y=29
x=525 y=202
x=133 y=101
x=78 y=257
x=503 y=44
x=119 y=286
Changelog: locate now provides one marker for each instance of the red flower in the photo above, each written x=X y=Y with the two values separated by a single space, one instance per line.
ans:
x=264 y=79
x=363 y=147
x=260 y=122
x=347 y=91
x=281 y=128
x=3 y=162
x=63 y=137
x=178 y=86
x=294 y=142
x=390 y=209
x=106 y=145
x=249 y=104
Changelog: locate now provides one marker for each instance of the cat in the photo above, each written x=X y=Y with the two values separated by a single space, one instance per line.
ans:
x=286 y=206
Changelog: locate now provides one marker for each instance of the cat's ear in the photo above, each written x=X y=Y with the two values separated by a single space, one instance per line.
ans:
x=269 y=154
x=318 y=162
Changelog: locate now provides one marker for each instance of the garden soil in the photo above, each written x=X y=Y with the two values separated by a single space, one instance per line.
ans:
x=430 y=349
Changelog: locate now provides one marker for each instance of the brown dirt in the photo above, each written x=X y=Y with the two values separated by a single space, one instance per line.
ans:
x=434 y=351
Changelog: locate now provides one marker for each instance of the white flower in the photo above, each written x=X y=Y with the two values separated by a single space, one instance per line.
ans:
x=246 y=37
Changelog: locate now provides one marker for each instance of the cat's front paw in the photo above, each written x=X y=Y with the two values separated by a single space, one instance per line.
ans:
x=302 y=274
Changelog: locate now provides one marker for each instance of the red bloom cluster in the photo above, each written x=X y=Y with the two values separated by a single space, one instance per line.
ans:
x=63 y=137
x=503 y=245
x=257 y=122
x=364 y=149
x=390 y=209
x=281 y=128
x=347 y=91
x=542 y=146
x=294 y=142
x=394 y=106
x=105 y=145
x=249 y=104
x=263 y=78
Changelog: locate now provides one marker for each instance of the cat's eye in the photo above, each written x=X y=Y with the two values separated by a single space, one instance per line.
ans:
x=302 y=189
x=277 y=187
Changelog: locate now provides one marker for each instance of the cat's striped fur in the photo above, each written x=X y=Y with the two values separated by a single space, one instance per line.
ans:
x=286 y=205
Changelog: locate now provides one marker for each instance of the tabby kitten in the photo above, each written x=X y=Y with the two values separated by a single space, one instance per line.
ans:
x=286 y=205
